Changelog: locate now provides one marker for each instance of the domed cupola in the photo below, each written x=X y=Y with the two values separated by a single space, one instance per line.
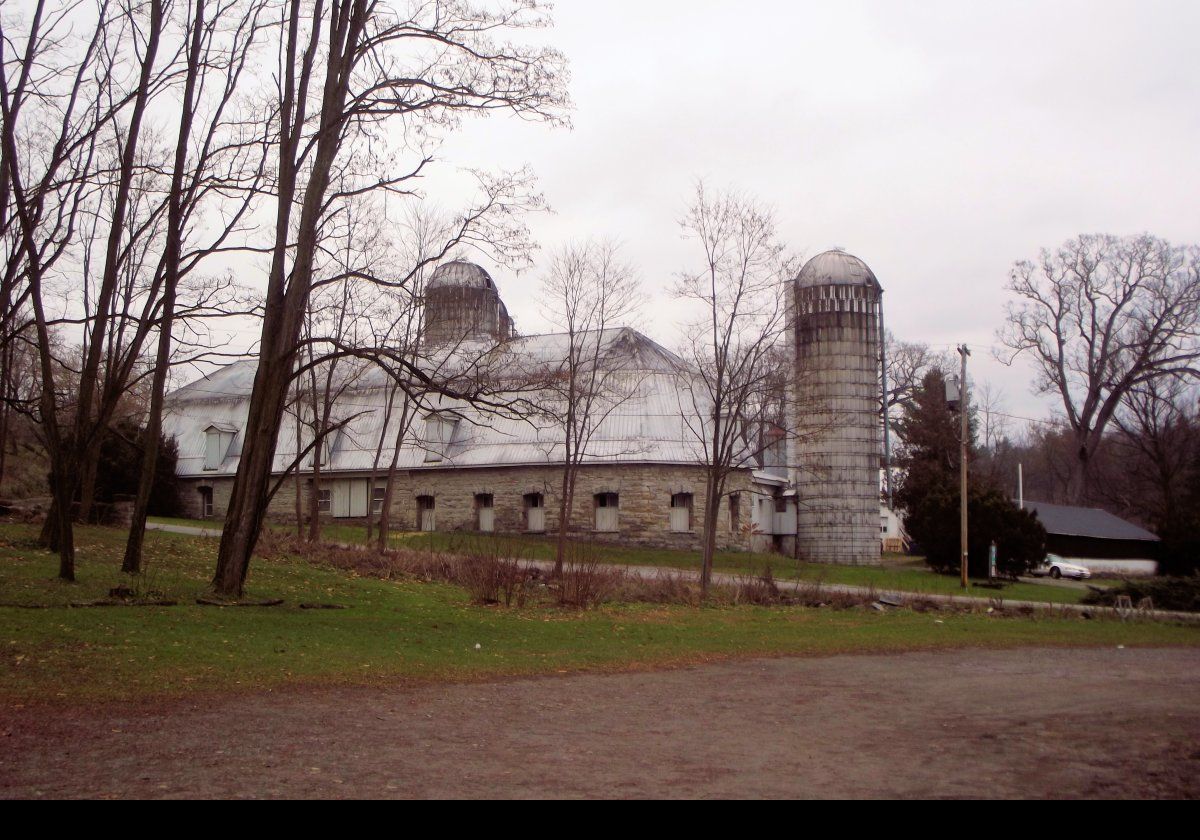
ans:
x=836 y=268
x=462 y=303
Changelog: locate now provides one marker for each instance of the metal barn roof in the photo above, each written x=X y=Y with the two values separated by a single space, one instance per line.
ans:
x=647 y=424
x=1068 y=520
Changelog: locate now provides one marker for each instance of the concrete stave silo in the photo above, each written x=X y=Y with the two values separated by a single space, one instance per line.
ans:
x=835 y=309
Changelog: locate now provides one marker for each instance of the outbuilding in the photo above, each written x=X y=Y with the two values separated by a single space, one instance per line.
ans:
x=1097 y=539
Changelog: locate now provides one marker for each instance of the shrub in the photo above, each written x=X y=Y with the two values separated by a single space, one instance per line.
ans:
x=585 y=582
x=757 y=589
x=1167 y=593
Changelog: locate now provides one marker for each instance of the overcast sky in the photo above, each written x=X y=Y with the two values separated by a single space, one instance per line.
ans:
x=939 y=142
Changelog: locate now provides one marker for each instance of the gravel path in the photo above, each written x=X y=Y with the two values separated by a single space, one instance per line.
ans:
x=1021 y=723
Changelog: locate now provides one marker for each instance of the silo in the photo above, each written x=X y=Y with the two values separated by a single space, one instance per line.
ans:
x=836 y=310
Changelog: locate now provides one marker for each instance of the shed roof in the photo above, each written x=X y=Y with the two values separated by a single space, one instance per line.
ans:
x=1073 y=521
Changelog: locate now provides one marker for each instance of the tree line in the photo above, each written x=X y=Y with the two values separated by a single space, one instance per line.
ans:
x=1111 y=326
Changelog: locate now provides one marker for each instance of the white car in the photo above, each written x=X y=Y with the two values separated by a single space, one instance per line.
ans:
x=1056 y=567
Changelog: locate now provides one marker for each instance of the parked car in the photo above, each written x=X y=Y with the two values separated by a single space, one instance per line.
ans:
x=1056 y=567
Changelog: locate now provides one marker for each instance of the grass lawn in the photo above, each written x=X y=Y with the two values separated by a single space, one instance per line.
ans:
x=898 y=572
x=400 y=630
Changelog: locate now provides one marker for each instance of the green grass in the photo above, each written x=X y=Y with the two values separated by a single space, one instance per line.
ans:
x=207 y=524
x=898 y=572
x=408 y=630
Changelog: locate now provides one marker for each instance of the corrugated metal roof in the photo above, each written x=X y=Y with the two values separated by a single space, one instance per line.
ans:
x=1072 y=521
x=646 y=423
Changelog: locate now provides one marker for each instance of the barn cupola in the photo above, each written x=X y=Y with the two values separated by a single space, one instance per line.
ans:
x=463 y=304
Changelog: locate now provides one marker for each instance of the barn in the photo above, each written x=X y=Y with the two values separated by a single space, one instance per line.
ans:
x=1097 y=539
x=457 y=466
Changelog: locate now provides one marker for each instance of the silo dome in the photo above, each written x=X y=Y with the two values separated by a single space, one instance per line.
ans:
x=462 y=274
x=836 y=268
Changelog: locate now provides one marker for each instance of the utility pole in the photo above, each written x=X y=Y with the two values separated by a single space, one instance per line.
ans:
x=963 y=435
x=887 y=425
x=1020 y=487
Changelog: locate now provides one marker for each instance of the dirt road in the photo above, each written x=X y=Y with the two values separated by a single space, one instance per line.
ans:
x=1030 y=723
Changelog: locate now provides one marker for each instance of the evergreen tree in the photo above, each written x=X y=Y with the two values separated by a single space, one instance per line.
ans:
x=929 y=493
x=1180 y=547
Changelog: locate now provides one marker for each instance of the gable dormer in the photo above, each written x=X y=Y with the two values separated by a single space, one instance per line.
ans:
x=218 y=438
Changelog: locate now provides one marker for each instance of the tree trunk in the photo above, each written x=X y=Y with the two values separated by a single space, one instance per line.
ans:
x=252 y=484
x=88 y=468
x=298 y=481
x=314 y=499
x=385 y=513
x=564 y=522
x=712 y=509
x=287 y=292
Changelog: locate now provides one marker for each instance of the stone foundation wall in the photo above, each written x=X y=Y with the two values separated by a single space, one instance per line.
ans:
x=644 y=493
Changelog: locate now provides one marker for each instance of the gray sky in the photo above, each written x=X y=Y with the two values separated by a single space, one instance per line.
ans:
x=940 y=142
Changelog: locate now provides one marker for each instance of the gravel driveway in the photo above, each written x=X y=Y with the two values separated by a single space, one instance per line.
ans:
x=1019 y=723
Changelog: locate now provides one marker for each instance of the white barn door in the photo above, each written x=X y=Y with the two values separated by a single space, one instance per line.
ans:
x=349 y=498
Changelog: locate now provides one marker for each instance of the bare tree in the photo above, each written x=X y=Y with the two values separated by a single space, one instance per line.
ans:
x=907 y=364
x=586 y=293
x=220 y=40
x=1158 y=437
x=56 y=99
x=1099 y=317
x=346 y=67
x=733 y=374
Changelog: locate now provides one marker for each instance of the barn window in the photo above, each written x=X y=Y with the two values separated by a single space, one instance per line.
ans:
x=735 y=512
x=681 y=512
x=535 y=512
x=439 y=433
x=485 y=518
x=206 y=502
x=378 y=494
x=425 y=514
x=608 y=511
x=217 y=439
x=324 y=501
x=320 y=453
